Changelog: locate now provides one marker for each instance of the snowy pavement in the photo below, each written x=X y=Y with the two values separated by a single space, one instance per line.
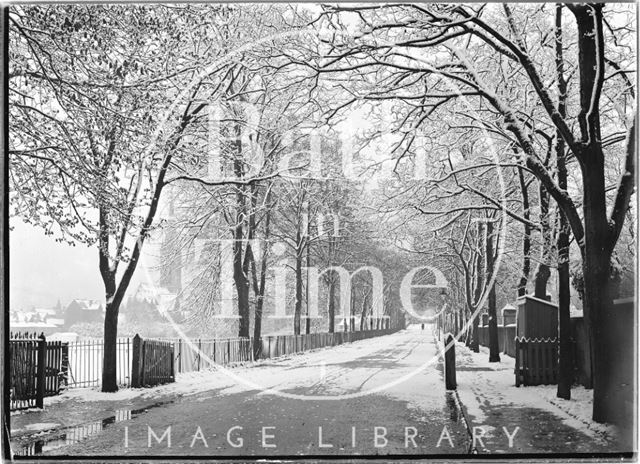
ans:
x=546 y=423
x=379 y=396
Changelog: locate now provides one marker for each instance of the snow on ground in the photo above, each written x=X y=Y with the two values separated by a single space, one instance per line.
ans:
x=401 y=367
x=189 y=383
x=578 y=407
x=42 y=426
x=481 y=384
x=329 y=372
x=323 y=372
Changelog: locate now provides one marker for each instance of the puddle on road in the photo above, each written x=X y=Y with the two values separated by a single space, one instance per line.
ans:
x=74 y=434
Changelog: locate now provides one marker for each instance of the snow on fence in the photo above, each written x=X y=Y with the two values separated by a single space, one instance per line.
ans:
x=37 y=369
x=536 y=361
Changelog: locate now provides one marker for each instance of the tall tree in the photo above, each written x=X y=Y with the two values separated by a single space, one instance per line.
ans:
x=85 y=94
x=565 y=371
x=491 y=245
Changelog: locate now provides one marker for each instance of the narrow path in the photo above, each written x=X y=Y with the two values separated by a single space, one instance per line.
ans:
x=497 y=407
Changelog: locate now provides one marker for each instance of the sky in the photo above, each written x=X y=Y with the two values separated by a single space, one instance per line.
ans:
x=41 y=270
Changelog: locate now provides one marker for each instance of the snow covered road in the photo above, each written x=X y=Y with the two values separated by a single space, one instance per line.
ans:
x=379 y=396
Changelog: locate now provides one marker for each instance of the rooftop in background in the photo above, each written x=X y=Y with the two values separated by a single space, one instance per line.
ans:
x=87 y=305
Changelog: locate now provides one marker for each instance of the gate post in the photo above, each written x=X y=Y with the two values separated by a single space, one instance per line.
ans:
x=450 y=363
x=136 y=362
x=40 y=374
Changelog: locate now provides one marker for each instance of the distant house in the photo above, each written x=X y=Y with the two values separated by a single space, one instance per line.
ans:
x=36 y=316
x=46 y=312
x=35 y=320
x=83 y=311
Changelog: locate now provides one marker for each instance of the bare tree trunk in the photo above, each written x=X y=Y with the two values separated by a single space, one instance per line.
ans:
x=543 y=271
x=598 y=304
x=598 y=238
x=257 y=325
x=259 y=286
x=363 y=313
x=494 y=345
x=242 y=289
x=109 y=369
x=114 y=297
x=479 y=281
x=598 y=298
x=240 y=265
x=469 y=331
x=352 y=310
x=332 y=305
x=240 y=279
x=565 y=367
x=114 y=294
x=298 y=303
x=526 y=239
x=308 y=324
x=565 y=362
x=475 y=342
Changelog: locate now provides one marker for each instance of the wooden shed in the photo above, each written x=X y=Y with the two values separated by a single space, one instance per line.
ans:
x=536 y=318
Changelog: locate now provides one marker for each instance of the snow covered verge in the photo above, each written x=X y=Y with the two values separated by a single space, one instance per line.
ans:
x=579 y=407
x=482 y=385
x=185 y=384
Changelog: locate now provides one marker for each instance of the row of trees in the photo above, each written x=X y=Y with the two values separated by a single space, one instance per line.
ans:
x=118 y=110
x=544 y=95
x=500 y=146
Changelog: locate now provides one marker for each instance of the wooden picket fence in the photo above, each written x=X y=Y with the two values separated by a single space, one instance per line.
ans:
x=282 y=345
x=153 y=362
x=37 y=369
x=536 y=361
x=200 y=354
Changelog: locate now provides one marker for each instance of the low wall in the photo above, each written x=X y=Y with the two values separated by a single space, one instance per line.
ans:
x=506 y=338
